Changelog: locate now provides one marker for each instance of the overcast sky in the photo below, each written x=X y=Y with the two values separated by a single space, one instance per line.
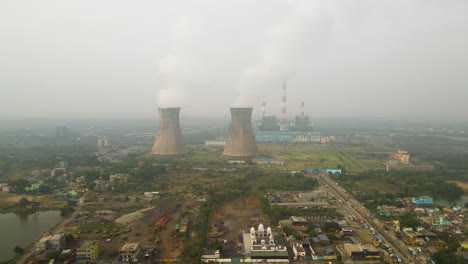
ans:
x=111 y=58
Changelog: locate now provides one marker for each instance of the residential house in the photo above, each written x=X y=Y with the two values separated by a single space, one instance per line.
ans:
x=87 y=250
x=129 y=252
x=51 y=242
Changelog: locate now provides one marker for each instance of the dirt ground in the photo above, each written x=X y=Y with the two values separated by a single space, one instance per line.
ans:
x=229 y=220
x=164 y=242
x=170 y=243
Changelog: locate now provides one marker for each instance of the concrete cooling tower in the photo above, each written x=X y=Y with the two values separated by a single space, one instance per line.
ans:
x=240 y=143
x=169 y=142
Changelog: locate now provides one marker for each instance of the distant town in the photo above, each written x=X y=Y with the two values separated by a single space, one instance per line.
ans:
x=250 y=192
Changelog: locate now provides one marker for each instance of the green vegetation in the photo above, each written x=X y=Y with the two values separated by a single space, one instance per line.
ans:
x=192 y=250
x=18 y=250
x=23 y=202
x=287 y=182
x=381 y=186
x=449 y=254
x=277 y=213
x=301 y=156
x=44 y=156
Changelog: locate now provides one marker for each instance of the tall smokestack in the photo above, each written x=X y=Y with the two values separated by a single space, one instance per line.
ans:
x=169 y=142
x=240 y=143
x=263 y=109
x=283 y=121
x=302 y=109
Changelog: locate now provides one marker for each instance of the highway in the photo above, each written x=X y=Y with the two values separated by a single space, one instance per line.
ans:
x=357 y=162
x=357 y=208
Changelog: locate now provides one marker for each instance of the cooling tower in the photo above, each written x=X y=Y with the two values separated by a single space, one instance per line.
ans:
x=240 y=143
x=169 y=142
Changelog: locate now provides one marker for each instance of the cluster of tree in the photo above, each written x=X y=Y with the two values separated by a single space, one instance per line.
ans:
x=372 y=200
x=277 y=213
x=453 y=161
x=67 y=208
x=288 y=182
x=449 y=254
x=21 y=184
x=409 y=183
x=192 y=250
x=45 y=156
x=23 y=202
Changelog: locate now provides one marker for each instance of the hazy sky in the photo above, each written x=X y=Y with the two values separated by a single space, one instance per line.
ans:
x=111 y=58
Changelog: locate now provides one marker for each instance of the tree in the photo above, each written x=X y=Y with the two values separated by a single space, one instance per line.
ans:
x=69 y=238
x=18 y=250
x=331 y=226
x=23 y=202
x=443 y=256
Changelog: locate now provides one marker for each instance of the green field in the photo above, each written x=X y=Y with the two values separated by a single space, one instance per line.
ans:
x=371 y=163
x=209 y=156
x=300 y=156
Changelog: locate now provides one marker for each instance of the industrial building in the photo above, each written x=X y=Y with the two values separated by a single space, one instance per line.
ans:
x=302 y=122
x=269 y=123
x=215 y=143
x=287 y=137
x=357 y=252
x=87 y=250
x=272 y=130
x=51 y=242
x=268 y=161
x=423 y=200
x=409 y=167
x=240 y=144
x=169 y=142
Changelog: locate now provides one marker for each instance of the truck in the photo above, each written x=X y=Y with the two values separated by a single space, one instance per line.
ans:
x=412 y=251
x=397 y=258
x=346 y=232
x=390 y=250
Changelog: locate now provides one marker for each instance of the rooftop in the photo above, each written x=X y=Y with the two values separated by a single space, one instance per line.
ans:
x=87 y=243
x=130 y=247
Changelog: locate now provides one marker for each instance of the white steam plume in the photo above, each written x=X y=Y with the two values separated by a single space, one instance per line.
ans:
x=304 y=29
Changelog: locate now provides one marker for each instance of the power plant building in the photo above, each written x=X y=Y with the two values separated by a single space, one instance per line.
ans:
x=240 y=144
x=302 y=123
x=169 y=142
x=269 y=123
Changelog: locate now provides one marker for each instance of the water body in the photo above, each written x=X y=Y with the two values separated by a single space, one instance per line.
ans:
x=23 y=230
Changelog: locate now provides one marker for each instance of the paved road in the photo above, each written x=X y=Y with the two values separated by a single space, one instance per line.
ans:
x=357 y=162
x=357 y=209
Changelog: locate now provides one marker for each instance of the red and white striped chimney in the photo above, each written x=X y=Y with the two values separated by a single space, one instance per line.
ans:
x=263 y=109
x=284 y=122
x=302 y=109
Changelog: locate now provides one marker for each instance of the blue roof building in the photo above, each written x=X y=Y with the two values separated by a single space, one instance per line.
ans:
x=423 y=200
x=323 y=239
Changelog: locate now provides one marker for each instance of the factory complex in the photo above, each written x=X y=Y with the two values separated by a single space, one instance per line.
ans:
x=241 y=142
